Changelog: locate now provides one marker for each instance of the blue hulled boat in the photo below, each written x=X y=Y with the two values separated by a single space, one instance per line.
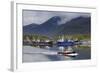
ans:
x=67 y=43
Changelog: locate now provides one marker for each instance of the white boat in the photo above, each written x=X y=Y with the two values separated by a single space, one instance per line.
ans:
x=72 y=54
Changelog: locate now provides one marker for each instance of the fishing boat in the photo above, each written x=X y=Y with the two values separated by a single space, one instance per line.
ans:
x=63 y=42
x=67 y=43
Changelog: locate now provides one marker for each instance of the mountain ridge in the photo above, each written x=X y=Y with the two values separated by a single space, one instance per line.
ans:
x=79 y=25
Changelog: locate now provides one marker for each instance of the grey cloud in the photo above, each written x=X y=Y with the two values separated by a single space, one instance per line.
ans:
x=38 y=17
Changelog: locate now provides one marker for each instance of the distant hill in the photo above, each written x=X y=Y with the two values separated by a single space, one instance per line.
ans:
x=45 y=28
x=79 y=25
x=28 y=29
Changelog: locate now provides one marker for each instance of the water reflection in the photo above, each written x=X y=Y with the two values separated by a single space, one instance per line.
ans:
x=55 y=51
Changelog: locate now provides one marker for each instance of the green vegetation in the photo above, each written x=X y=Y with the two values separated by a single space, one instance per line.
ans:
x=72 y=37
x=82 y=47
x=35 y=37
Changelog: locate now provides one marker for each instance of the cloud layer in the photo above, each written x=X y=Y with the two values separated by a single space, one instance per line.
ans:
x=38 y=17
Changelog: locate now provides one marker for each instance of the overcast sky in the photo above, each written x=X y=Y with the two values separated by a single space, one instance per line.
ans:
x=39 y=17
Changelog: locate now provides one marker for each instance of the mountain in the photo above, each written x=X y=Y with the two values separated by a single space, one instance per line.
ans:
x=79 y=25
x=29 y=28
x=45 y=28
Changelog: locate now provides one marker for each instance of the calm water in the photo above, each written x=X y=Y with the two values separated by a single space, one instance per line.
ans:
x=37 y=54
